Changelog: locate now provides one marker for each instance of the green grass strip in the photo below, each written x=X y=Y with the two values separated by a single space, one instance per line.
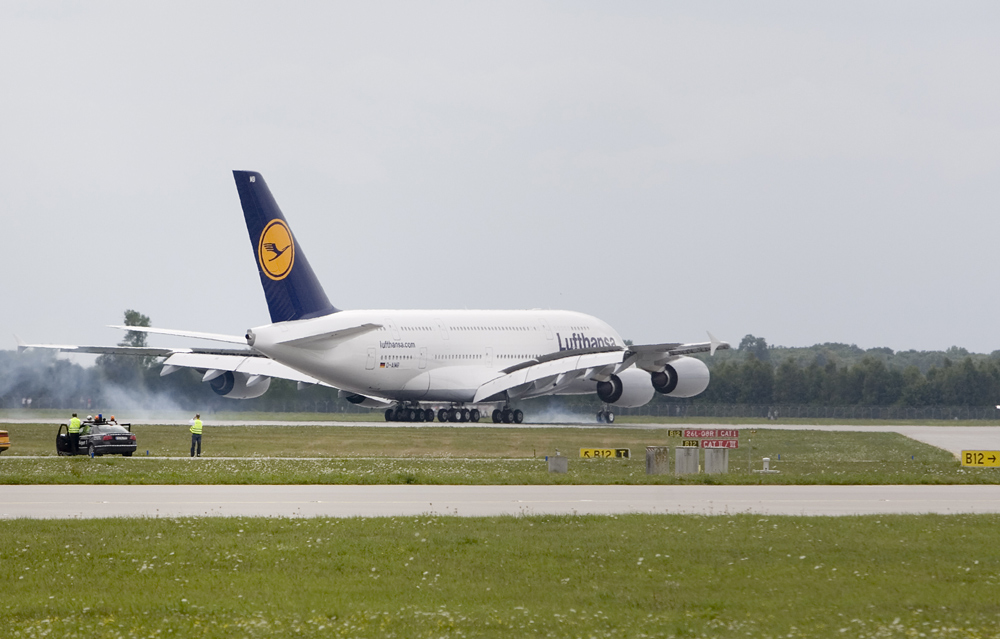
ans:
x=626 y=576
x=470 y=455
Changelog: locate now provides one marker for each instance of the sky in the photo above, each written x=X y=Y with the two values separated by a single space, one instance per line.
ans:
x=803 y=172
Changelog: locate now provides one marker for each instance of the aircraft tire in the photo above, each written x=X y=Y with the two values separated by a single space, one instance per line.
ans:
x=497 y=417
x=454 y=415
x=600 y=417
x=610 y=417
x=518 y=416
x=429 y=415
x=474 y=415
x=508 y=416
x=463 y=416
x=388 y=415
x=443 y=415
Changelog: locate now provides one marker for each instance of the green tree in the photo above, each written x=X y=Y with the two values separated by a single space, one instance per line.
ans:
x=128 y=371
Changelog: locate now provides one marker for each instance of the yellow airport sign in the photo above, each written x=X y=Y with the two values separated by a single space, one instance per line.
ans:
x=981 y=458
x=604 y=453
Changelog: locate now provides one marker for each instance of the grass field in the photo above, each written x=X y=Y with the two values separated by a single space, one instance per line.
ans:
x=627 y=576
x=468 y=455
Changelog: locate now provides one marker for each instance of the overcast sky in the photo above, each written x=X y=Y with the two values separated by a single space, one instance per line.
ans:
x=806 y=172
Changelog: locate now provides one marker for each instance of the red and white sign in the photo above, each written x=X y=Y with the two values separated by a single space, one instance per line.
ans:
x=720 y=443
x=712 y=433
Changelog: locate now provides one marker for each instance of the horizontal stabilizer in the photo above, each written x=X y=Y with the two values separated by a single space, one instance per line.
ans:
x=329 y=340
x=215 y=337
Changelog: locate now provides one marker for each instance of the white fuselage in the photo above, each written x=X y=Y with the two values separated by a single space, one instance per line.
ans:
x=433 y=356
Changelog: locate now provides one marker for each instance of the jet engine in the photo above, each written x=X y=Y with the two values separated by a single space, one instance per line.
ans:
x=682 y=377
x=628 y=389
x=239 y=385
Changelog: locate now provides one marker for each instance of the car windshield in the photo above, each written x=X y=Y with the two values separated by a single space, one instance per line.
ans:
x=108 y=428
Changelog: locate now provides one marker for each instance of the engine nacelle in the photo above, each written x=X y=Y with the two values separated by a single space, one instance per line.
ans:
x=364 y=400
x=235 y=385
x=628 y=389
x=683 y=377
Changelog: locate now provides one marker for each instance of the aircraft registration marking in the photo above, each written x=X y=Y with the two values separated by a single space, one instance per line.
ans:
x=981 y=458
x=604 y=453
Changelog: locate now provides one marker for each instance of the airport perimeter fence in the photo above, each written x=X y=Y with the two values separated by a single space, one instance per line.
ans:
x=799 y=411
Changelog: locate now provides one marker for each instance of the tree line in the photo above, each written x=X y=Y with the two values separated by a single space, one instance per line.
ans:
x=758 y=374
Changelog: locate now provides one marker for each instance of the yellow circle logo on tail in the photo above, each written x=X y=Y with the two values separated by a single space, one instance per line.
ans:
x=276 y=250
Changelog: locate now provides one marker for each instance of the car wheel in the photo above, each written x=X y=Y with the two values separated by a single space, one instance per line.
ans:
x=129 y=454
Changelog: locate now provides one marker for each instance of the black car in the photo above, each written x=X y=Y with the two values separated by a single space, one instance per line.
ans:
x=98 y=438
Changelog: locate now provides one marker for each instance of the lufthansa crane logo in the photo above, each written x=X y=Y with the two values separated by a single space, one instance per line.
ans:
x=276 y=250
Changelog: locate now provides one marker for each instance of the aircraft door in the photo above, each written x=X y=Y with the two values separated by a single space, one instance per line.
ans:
x=370 y=364
x=489 y=357
x=423 y=358
x=443 y=329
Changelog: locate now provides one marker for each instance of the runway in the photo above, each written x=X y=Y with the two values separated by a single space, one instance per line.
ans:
x=78 y=501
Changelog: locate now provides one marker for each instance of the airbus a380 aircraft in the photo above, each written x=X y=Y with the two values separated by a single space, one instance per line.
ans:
x=413 y=361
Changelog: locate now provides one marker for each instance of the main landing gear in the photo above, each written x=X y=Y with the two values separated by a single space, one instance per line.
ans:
x=508 y=416
x=409 y=414
x=417 y=414
x=605 y=416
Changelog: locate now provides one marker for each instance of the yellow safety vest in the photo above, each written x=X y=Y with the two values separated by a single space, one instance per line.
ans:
x=196 y=427
x=74 y=425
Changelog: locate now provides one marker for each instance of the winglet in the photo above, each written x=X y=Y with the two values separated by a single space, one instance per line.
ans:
x=21 y=346
x=714 y=344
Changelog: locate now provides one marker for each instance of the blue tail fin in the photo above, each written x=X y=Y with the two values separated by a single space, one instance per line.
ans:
x=290 y=286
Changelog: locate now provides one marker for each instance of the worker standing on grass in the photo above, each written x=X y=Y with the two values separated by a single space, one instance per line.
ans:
x=74 y=433
x=196 y=434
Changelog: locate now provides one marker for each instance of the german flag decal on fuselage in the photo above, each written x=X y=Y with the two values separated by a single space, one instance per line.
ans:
x=276 y=250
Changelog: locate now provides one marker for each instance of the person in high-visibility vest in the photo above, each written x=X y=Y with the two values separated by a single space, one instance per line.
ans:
x=196 y=434
x=74 y=434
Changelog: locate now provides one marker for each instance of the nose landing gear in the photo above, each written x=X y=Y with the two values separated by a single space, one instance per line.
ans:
x=605 y=416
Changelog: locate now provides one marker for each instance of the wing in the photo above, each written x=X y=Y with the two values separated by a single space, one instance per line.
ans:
x=652 y=357
x=549 y=374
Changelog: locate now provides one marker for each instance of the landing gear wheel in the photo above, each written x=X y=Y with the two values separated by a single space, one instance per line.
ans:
x=464 y=415
x=497 y=416
x=474 y=415
x=429 y=415
x=507 y=415
x=518 y=416
x=600 y=417
x=388 y=415
x=610 y=417
x=443 y=415
x=454 y=415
